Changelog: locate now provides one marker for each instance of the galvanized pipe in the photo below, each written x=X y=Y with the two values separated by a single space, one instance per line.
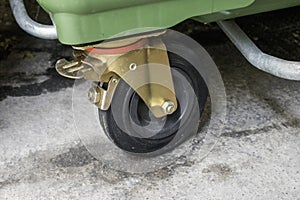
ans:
x=28 y=25
x=278 y=67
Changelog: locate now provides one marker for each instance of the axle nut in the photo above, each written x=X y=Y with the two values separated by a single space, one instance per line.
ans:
x=168 y=107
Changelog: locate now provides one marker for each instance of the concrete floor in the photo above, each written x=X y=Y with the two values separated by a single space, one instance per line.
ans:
x=257 y=156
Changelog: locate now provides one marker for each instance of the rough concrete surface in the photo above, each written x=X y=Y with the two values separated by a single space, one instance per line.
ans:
x=257 y=156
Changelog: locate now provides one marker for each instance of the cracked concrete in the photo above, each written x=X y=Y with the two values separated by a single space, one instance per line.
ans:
x=257 y=157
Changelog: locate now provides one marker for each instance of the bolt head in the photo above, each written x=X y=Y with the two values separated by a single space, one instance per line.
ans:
x=93 y=95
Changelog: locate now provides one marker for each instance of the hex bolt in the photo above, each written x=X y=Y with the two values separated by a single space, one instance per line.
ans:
x=93 y=95
x=168 y=107
x=132 y=66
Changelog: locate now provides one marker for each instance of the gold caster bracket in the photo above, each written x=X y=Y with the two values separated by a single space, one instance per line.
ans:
x=145 y=68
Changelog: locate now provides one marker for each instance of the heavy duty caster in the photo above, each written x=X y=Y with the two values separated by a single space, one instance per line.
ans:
x=133 y=111
x=150 y=100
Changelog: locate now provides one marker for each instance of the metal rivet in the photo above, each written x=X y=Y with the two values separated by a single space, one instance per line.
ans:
x=114 y=80
x=132 y=66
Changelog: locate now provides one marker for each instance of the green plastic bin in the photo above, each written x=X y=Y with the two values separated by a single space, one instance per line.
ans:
x=86 y=21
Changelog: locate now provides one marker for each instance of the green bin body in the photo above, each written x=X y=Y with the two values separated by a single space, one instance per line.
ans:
x=87 y=21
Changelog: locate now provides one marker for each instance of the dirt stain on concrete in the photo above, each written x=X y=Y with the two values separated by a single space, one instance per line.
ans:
x=75 y=157
x=220 y=171
x=53 y=84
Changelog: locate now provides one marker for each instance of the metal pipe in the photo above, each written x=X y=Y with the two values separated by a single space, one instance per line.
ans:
x=30 y=26
x=278 y=67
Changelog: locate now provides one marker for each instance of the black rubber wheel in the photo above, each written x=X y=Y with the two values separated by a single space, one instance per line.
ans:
x=134 y=115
